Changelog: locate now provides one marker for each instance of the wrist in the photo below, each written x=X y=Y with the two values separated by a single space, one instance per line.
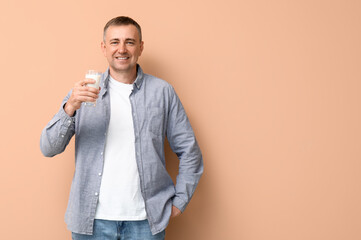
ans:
x=179 y=203
x=69 y=109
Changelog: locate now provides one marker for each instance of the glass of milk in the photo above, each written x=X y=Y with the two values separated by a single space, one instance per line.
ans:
x=96 y=76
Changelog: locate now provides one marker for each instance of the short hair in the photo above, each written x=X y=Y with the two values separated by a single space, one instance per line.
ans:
x=122 y=20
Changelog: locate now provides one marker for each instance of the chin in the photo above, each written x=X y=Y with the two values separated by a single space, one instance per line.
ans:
x=121 y=68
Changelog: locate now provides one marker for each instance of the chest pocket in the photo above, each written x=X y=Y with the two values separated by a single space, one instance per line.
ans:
x=156 y=121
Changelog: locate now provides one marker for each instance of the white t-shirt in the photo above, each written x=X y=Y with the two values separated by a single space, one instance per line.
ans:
x=120 y=198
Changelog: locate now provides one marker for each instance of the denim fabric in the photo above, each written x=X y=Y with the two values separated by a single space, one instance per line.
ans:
x=120 y=230
x=157 y=113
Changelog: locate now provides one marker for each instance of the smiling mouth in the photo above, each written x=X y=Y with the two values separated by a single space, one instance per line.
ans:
x=122 y=58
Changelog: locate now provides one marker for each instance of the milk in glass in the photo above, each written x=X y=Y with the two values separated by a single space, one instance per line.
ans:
x=96 y=76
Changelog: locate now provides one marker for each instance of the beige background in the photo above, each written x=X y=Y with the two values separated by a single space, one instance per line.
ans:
x=271 y=89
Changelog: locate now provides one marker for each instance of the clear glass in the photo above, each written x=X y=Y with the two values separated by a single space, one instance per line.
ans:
x=92 y=74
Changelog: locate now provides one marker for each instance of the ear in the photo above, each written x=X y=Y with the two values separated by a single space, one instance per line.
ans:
x=141 y=48
x=103 y=48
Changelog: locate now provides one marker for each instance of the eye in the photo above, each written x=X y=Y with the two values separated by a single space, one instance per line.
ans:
x=130 y=43
x=113 y=43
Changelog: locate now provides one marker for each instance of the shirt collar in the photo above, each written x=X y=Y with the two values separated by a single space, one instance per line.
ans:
x=140 y=77
x=138 y=81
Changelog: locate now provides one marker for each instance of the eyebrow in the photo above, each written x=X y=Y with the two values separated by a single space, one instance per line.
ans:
x=127 y=39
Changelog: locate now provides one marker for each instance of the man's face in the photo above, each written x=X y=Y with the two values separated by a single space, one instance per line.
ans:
x=122 y=48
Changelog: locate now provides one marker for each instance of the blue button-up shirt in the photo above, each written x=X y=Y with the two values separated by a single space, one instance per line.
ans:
x=157 y=113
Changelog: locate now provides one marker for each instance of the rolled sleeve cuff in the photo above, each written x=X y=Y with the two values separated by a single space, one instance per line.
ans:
x=179 y=203
x=66 y=119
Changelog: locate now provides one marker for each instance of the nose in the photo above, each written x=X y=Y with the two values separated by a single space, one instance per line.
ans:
x=121 y=48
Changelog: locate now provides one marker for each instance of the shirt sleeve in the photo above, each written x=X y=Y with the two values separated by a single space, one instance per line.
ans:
x=183 y=143
x=58 y=132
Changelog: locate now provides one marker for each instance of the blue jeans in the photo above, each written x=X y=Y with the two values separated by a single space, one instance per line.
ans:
x=120 y=230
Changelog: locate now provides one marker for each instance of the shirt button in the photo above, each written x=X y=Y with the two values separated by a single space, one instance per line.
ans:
x=105 y=134
x=96 y=194
x=62 y=136
x=69 y=121
x=100 y=174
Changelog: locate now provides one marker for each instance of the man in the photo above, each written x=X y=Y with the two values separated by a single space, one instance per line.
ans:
x=121 y=189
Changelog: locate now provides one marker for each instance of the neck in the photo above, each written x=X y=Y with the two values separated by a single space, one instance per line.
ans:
x=127 y=77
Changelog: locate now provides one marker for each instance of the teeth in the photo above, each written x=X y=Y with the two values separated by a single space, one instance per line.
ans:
x=121 y=58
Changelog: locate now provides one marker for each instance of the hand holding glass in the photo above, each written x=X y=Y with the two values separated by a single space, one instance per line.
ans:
x=92 y=74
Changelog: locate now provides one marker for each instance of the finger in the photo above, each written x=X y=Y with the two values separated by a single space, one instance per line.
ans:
x=89 y=80
x=86 y=93
x=85 y=81
x=92 y=89
x=86 y=88
x=85 y=96
x=89 y=89
x=86 y=99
